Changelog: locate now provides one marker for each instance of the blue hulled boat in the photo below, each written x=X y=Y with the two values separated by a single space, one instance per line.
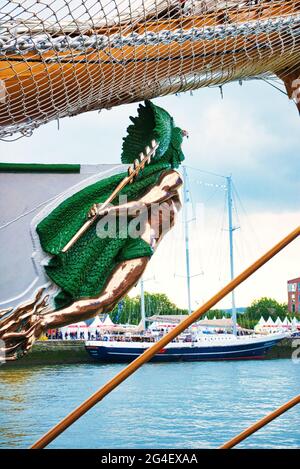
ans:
x=214 y=347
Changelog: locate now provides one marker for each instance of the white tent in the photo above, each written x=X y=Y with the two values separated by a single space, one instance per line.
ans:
x=108 y=321
x=96 y=324
x=278 y=321
x=79 y=328
x=286 y=322
x=270 y=322
x=259 y=327
x=261 y=322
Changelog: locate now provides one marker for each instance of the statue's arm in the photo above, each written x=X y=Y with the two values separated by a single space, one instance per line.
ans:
x=166 y=188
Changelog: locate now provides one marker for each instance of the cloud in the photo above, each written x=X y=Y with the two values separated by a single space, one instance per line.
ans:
x=254 y=134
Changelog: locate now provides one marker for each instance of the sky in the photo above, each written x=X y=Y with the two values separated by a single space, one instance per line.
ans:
x=253 y=134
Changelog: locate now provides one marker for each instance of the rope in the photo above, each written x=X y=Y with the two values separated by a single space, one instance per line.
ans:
x=274 y=86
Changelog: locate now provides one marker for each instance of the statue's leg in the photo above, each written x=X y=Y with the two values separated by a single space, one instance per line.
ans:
x=123 y=278
x=19 y=330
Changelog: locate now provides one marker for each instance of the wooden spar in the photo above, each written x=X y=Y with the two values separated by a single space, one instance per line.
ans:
x=261 y=423
x=155 y=348
x=132 y=173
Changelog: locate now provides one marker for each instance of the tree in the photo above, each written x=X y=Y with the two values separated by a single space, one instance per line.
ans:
x=267 y=307
x=128 y=310
x=215 y=313
x=264 y=307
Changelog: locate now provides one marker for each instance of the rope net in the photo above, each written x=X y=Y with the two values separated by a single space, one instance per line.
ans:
x=63 y=57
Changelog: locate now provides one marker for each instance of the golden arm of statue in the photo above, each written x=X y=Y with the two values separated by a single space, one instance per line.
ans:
x=20 y=328
x=167 y=186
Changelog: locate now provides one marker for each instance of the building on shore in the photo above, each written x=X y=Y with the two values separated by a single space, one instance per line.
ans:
x=293 y=287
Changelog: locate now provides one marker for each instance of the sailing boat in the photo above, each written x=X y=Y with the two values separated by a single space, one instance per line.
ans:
x=194 y=344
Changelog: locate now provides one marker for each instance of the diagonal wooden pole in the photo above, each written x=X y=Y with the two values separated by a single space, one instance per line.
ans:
x=150 y=352
x=261 y=423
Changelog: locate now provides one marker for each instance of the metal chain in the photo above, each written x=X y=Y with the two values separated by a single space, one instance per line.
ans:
x=41 y=43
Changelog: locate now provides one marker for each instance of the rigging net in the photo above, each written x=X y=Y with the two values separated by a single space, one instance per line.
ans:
x=63 y=57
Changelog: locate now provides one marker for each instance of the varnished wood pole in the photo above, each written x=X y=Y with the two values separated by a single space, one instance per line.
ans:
x=155 y=348
x=261 y=423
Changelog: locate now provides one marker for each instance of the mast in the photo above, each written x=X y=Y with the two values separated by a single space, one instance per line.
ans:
x=186 y=199
x=143 y=315
x=231 y=230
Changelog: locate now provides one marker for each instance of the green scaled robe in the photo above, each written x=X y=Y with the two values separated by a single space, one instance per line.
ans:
x=84 y=269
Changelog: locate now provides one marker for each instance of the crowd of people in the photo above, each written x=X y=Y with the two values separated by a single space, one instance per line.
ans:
x=69 y=335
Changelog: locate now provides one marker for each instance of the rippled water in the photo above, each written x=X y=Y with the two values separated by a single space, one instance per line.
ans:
x=180 y=405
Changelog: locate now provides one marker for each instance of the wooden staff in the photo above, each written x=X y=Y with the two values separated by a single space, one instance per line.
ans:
x=156 y=347
x=133 y=171
x=261 y=423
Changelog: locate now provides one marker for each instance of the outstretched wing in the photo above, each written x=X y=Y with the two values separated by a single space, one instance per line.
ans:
x=151 y=123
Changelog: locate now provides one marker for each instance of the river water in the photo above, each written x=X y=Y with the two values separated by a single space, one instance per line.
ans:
x=179 y=405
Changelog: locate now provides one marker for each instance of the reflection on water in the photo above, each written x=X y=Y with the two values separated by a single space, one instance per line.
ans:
x=180 y=405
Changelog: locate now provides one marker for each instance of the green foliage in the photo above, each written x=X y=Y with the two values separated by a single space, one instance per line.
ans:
x=159 y=303
x=267 y=307
x=155 y=303
x=215 y=313
x=262 y=307
x=153 y=122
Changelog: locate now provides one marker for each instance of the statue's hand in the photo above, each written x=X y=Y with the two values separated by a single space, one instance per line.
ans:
x=95 y=210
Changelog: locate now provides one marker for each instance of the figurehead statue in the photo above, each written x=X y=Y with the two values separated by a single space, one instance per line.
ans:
x=108 y=258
